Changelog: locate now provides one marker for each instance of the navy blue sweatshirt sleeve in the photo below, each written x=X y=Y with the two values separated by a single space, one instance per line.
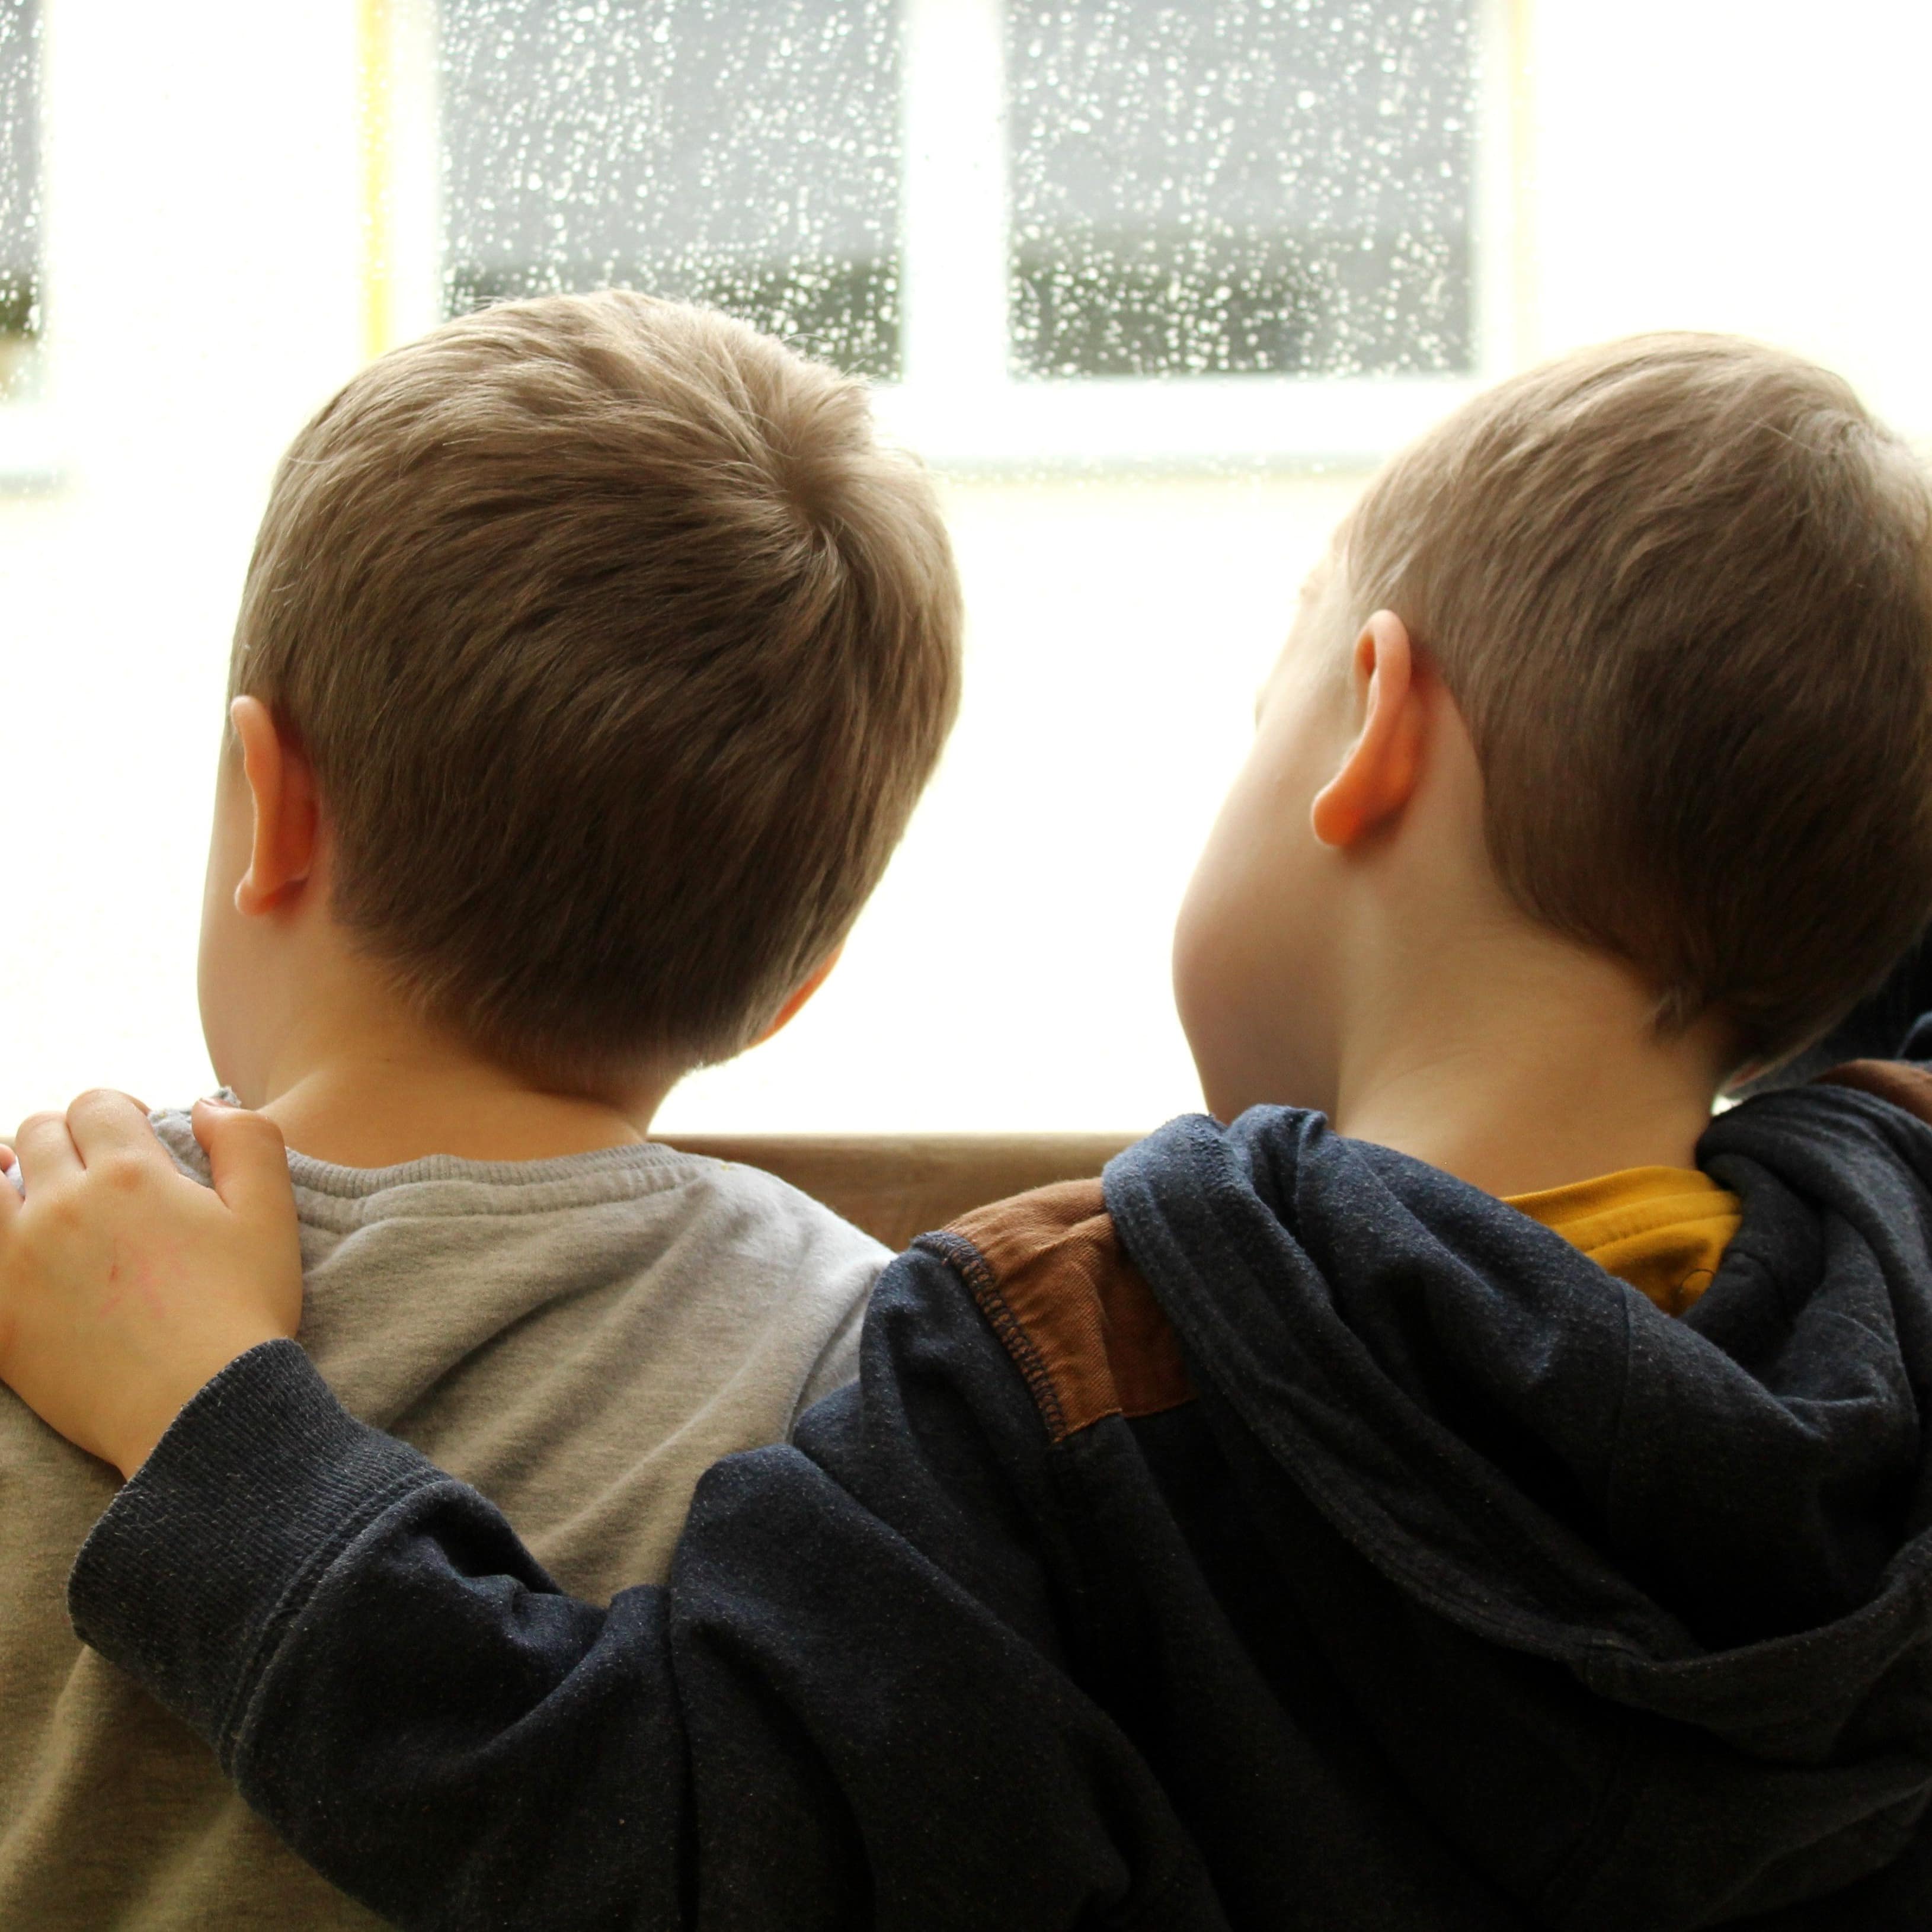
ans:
x=848 y=1706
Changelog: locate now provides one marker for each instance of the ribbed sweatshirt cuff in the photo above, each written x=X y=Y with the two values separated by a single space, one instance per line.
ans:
x=190 y=1580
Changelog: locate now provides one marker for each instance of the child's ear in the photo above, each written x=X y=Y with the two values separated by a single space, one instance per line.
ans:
x=1378 y=776
x=789 y=1011
x=287 y=816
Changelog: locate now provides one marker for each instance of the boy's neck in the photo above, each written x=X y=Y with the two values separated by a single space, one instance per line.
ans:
x=388 y=1088
x=1526 y=1066
x=308 y=1026
x=371 y=1115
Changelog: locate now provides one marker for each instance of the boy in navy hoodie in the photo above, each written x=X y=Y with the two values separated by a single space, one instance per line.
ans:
x=1473 y=1487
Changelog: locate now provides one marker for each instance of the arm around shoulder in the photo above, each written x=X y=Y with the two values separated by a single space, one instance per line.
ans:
x=814 y=1724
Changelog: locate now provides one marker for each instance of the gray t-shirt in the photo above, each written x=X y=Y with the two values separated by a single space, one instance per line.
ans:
x=579 y=1338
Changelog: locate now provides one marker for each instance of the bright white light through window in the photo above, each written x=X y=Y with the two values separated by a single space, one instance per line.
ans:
x=1152 y=284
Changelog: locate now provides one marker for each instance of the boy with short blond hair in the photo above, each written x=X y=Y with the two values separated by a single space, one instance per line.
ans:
x=1465 y=1485
x=648 y=584
x=592 y=656
x=1683 y=555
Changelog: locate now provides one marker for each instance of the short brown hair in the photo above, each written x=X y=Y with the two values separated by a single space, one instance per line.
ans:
x=1681 y=587
x=621 y=649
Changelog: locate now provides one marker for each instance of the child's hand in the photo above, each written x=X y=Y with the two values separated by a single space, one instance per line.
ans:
x=124 y=1286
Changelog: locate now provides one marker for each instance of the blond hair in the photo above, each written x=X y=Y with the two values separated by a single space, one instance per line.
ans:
x=1681 y=587
x=621 y=649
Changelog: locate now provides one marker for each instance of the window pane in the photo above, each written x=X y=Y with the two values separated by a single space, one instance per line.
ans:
x=20 y=186
x=743 y=153
x=1262 y=185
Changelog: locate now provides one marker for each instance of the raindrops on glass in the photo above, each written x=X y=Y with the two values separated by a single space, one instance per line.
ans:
x=1229 y=186
x=19 y=190
x=1249 y=186
x=741 y=153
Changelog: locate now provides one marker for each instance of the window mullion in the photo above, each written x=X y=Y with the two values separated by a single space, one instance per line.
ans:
x=953 y=227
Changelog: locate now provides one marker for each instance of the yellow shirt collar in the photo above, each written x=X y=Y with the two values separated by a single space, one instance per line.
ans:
x=1662 y=1229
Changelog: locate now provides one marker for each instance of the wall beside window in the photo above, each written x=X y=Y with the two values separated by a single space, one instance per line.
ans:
x=1152 y=315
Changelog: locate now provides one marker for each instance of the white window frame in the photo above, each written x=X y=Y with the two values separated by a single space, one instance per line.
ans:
x=957 y=401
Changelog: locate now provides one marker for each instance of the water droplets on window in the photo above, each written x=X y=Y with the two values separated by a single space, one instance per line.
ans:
x=1252 y=187
x=20 y=248
x=1255 y=187
x=742 y=153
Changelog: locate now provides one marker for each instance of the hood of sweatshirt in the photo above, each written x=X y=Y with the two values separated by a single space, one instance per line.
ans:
x=1682 y=1567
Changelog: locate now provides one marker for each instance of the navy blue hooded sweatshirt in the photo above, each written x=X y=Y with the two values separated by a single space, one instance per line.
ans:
x=1294 y=1537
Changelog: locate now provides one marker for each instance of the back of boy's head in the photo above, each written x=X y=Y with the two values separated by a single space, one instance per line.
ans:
x=621 y=651
x=1681 y=588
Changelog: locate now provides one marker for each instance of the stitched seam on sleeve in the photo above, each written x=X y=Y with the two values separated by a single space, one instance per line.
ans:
x=971 y=1266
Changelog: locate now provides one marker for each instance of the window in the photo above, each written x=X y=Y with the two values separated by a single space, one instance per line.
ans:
x=746 y=156
x=989 y=204
x=19 y=192
x=1267 y=187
